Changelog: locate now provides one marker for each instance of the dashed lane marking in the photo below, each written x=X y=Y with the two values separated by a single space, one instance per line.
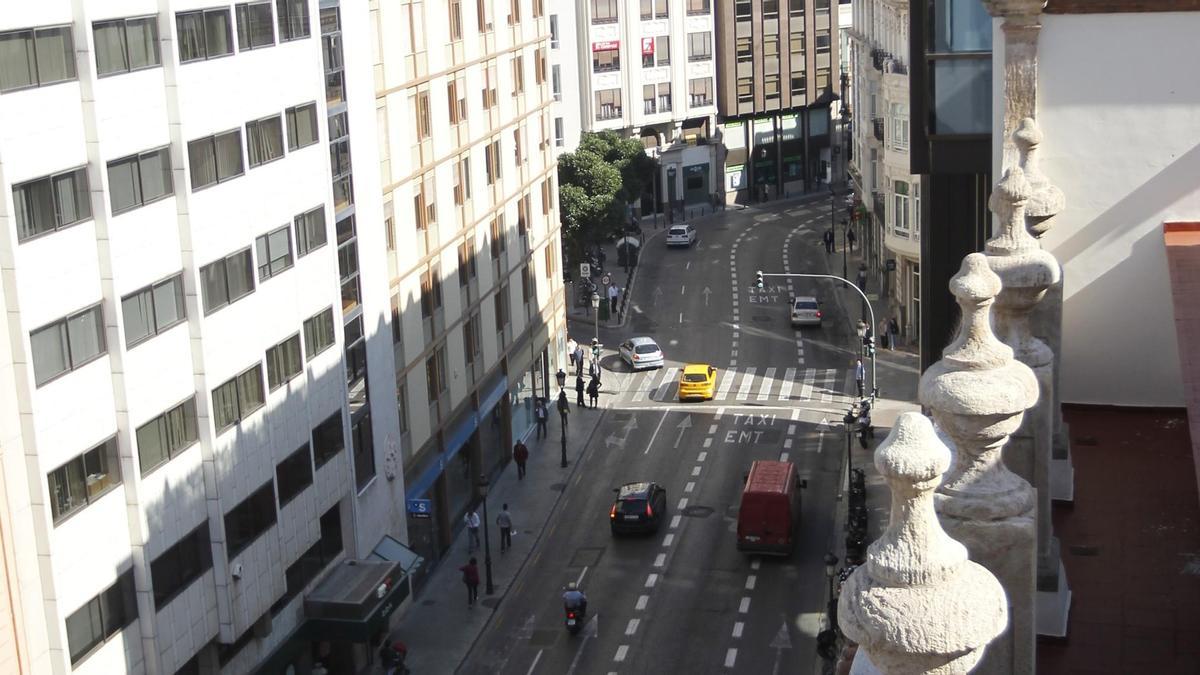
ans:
x=642 y=601
x=660 y=560
x=738 y=627
x=744 y=605
x=622 y=651
x=668 y=540
x=730 y=657
x=653 y=579
x=751 y=581
x=632 y=626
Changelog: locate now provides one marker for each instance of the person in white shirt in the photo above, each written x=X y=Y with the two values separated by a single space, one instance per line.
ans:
x=472 y=521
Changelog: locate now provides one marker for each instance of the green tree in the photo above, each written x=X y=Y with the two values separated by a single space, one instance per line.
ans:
x=596 y=183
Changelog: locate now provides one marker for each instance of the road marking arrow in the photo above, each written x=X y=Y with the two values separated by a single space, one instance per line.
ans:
x=780 y=642
x=526 y=630
x=707 y=292
x=613 y=440
x=683 y=426
x=658 y=291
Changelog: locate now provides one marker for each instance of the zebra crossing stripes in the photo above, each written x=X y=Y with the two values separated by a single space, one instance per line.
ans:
x=747 y=384
x=764 y=391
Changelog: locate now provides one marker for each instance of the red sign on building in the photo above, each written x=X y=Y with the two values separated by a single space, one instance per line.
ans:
x=605 y=46
x=647 y=46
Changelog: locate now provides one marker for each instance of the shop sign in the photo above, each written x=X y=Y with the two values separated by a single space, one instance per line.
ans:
x=605 y=46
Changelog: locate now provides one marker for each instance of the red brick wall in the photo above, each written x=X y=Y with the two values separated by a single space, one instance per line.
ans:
x=1120 y=6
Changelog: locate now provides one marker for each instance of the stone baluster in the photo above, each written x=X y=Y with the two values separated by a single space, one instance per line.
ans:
x=1021 y=27
x=918 y=604
x=978 y=394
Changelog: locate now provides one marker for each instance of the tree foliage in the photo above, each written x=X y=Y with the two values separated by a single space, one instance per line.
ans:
x=596 y=182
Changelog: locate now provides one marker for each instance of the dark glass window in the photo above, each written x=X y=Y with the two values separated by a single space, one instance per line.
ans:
x=84 y=479
x=328 y=439
x=101 y=618
x=167 y=435
x=249 y=519
x=177 y=567
x=294 y=474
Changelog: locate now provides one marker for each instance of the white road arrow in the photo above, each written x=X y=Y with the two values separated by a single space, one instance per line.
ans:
x=591 y=630
x=707 y=292
x=683 y=426
x=658 y=291
x=526 y=631
x=613 y=440
x=780 y=642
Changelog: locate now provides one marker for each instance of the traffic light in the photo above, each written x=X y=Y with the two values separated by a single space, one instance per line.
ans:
x=758 y=280
x=870 y=345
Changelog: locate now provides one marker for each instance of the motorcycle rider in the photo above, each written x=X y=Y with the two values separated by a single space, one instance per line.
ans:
x=574 y=598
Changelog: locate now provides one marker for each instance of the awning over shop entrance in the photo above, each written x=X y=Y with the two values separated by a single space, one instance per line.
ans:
x=354 y=600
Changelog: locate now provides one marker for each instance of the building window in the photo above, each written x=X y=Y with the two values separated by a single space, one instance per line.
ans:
x=700 y=91
x=101 y=618
x=900 y=212
x=294 y=474
x=461 y=174
x=264 y=140
x=514 y=12
x=608 y=104
x=741 y=9
x=799 y=85
x=203 y=35
x=491 y=156
x=467 y=268
x=554 y=31
x=823 y=41
x=310 y=231
x=328 y=439
x=435 y=374
x=124 y=45
x=227 y=280
x=499 y=240
x=139 y=180
x=700 y=46
x=284 y=362
x=654 y=9
x=431 y=293
x=556 y=81
x=899 y=127
x=83 y=480
x=274 y=251
x=302 y=126
x=483 y=10
x=604 y=11
x=51 y=203
x=456 y=96
x=703 y=6
x=745 y=90
x=180 y=565
x=249 y=519
x=214 y=159
x=606 y=56
x=318 y=333
x=456 y=22
x=472 y=339
x=364 y=452
x=293 y=19
x=166 y=436
x=518 y=75
x=237 y=398
x=559 y=138
x=36 y=57
x=539 y=9
x=152 y=310
x=489 y=85
x=421 y=114
x=67 y=344
x=300 y=573
x=771 y=87
x=255 y=25
x=501 y=308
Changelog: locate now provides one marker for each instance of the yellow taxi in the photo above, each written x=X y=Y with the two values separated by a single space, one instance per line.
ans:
x=697 y=380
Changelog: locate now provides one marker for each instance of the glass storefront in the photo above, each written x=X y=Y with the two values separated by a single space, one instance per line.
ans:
x=522 y=396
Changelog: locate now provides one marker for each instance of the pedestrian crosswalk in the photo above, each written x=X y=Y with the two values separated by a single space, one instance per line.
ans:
x=748 y=384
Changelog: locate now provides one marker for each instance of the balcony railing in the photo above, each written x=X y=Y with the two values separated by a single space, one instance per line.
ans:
x=648 y=107
x=698 y=100
x=877 y=199
x=608 y=112
x=895 y=66
x=878 y=56
x=877 y=123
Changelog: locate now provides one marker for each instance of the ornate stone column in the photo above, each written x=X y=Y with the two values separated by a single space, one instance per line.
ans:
x=1022 y=24
x=918 y=605
x=978 y=395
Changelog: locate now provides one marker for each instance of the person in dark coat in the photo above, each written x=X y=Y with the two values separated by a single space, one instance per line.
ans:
x=579 y=389
x=540 y=414
x=520 y=456
x=470 y=573
x=593 y=391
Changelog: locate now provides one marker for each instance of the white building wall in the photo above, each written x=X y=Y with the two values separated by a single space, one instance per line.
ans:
x=1124 y=171
x=565 y=57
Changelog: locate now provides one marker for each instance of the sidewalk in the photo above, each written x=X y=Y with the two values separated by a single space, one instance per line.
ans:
x=438 y=627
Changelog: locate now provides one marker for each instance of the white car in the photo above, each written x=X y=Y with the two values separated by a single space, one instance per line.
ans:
x=641 y=352
x=806 y=311
x=681 y=235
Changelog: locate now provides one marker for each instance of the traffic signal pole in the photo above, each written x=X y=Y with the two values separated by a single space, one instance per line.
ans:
x=758 y=282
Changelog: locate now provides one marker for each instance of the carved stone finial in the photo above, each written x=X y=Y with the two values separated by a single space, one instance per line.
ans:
x=919 y=605
x=1045 y=199
x=975 y=347
x=1008 y=202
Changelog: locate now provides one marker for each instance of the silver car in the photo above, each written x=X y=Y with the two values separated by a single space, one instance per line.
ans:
x=681 y=235
x=641 y=352
x=806 y=311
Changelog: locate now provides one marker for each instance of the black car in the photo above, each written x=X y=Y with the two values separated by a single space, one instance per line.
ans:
x=639 y=507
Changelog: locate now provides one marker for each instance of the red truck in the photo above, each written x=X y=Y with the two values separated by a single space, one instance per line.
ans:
x=769 y=515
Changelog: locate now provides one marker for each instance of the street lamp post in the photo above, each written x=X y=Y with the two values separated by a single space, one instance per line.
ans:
x=596 y=313
x=562 y=411
x=833 y=228
x=487 y=540
x=866 y=303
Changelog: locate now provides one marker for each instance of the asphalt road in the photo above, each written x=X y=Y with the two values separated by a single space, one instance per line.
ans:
x=684 y=600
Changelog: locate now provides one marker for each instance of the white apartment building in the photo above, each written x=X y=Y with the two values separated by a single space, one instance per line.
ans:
x=888 y=216
x=463 y=94
x=565 y=71
x=647 y=71
x=193 y=306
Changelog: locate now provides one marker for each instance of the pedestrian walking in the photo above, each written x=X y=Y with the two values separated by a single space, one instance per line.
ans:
x=520 y=456
x=470 y=573
x=472 y=521
x=860 y=376
x=593 y=390
x=861 y=279
x=893 y=331
x=885 y=332
x=504 y=521
x=851 y=238
x=579 y=359
x=572 y=345
x=579 y=389
x=828 y=238
x=613 y=294
x=540 y=414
